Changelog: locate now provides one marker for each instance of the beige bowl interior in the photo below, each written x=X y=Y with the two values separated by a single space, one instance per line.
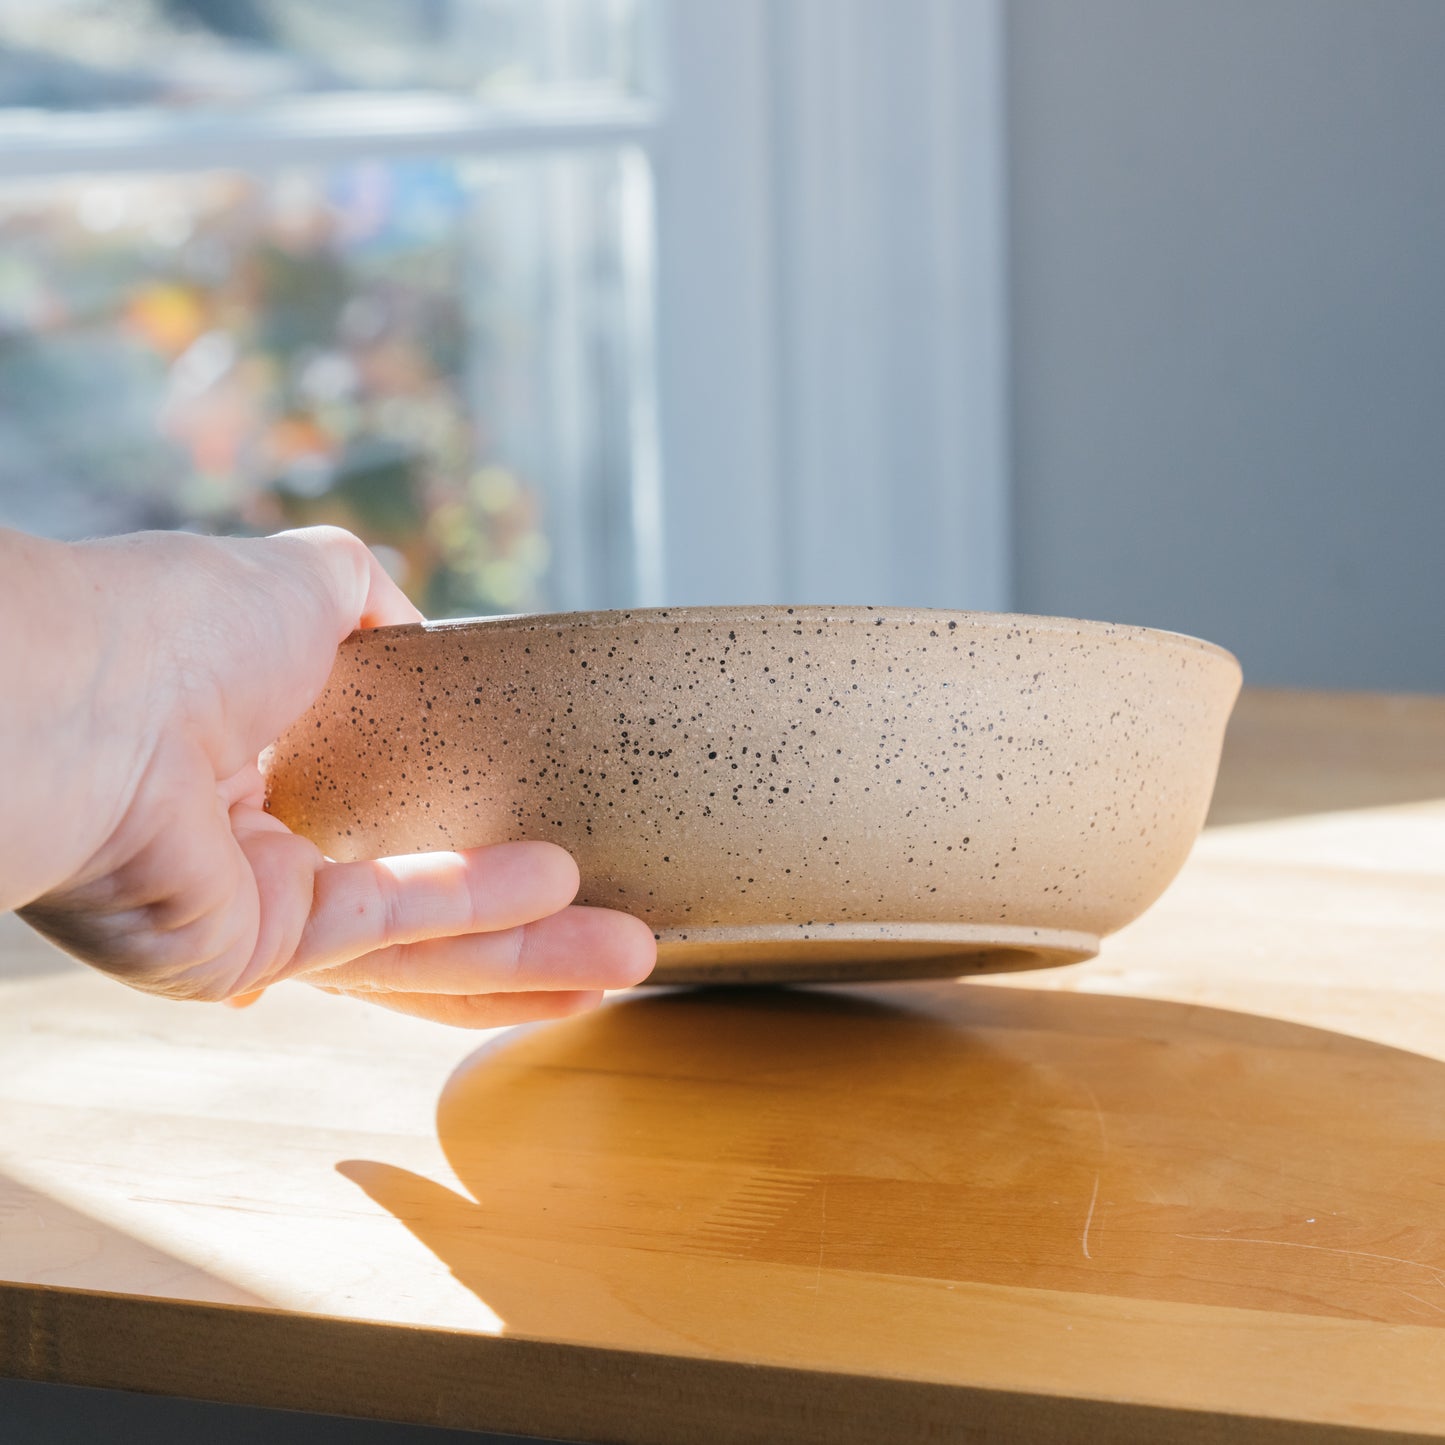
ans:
x=786 y=794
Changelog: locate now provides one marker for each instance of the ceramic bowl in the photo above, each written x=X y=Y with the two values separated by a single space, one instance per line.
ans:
x=786 y=793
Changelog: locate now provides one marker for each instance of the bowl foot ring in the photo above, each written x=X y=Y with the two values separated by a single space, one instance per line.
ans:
x=826 y=952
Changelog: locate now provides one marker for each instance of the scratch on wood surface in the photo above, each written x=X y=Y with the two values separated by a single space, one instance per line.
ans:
x=1103 y=1155
x=1435 y=1273
x=1093 y=1200
x=1409 y=1295
x=822 y=1239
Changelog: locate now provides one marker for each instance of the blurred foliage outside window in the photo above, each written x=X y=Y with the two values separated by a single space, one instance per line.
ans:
x=415 y=348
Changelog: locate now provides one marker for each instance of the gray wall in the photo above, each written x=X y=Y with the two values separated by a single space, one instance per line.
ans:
x=1228 y=287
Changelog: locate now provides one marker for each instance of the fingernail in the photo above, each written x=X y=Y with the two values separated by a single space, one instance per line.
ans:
x=244 y=1000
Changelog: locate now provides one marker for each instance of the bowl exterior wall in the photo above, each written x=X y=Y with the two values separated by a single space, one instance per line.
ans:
x=732 y=767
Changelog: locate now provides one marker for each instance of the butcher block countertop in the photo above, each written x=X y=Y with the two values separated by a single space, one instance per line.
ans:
x=1193 y=1190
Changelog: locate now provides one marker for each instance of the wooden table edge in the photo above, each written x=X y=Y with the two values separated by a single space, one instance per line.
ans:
x=247 y=1355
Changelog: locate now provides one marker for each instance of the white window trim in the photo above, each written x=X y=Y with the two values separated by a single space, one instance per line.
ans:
x=823 y=441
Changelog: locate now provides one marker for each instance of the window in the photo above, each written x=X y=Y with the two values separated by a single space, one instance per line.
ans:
x=406 y=267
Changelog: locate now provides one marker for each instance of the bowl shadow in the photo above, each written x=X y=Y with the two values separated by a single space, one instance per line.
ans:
x=1001 y=1136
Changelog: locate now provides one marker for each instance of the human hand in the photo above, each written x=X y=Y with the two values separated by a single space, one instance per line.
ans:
x=135 y=734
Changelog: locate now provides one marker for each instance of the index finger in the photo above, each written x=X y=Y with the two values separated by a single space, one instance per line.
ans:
x=363 y=593
x=359 y=908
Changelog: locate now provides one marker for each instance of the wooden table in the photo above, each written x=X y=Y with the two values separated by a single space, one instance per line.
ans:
x=1194 y=1190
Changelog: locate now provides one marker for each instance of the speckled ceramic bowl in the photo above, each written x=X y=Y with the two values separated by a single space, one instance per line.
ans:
x=786 y=793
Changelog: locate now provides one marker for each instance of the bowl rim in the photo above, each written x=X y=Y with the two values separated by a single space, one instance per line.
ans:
x=1123 y=632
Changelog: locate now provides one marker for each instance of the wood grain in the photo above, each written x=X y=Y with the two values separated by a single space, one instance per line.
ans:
x=1193 y=1189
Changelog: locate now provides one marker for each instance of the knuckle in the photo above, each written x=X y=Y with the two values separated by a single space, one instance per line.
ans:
x=515 y=951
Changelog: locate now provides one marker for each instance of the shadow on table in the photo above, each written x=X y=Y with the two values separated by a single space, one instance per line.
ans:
x=1290 y=753
x=999 y=1136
